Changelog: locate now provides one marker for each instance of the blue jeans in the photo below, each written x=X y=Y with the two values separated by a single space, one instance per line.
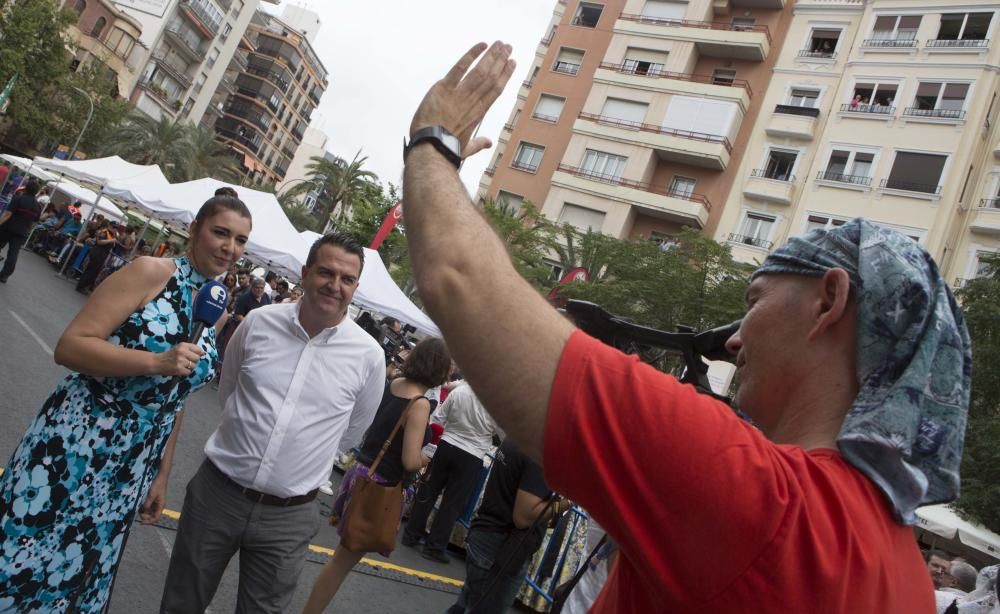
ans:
x=487 y=589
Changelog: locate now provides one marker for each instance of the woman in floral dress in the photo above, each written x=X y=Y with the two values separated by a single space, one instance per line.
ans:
x=72 y=487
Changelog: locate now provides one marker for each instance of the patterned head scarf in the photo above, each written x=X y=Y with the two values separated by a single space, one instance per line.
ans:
x=906 y=427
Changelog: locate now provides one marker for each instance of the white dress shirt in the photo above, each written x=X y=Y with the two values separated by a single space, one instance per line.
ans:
x=289 y=401
x=466 y=423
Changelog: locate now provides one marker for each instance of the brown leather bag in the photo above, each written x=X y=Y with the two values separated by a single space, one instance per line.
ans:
x=373 y=514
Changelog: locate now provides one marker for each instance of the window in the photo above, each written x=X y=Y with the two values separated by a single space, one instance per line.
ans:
x=625 y=110
x=120 y=42
x=873 y=98
x=964 y=26
x=549 y=108
x=823 y=222
x=701 y=115
x=534 y=75
x=849 y=166
x=665 y=10
x=226 y=30
x=98 y=28
x=602 y=165
x=800 y=97
x=682 y=186
x=723 y=76
x=779 y=166
x=896 y=28
x=743 y=24
x=664 y=240
x=755 y=230
x=80 y=6
x=822 y=44
x=587 y=15
x=581 y=218
x=568 y=61
x=916 y=172
x=213 y=55
x=528 y=157
x=644 y=61
x=936 y=99
x=199 y=83
x=510 y=201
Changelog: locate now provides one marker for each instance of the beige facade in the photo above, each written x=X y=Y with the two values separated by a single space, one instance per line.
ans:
x=884 y=109
x=636 y=113
x=108 y=38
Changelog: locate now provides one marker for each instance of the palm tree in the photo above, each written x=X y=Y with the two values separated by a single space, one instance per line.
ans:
x=206 y=157
x=143 y=140
x=340 y=180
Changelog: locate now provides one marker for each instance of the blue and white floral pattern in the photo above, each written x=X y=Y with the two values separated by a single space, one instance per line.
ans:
x=73 y=485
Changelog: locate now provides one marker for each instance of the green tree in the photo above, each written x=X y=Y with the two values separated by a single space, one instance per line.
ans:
x=205 y=157
x=341 y=181
x=528 y=237
x=980 y=498
x=143 y=140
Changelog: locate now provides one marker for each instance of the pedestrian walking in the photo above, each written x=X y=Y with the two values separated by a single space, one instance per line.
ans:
x=16 y=224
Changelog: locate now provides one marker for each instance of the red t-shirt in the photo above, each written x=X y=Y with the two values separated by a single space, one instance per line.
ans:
x=710 y=516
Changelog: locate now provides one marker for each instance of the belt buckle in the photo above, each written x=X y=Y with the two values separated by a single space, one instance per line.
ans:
x=260 y=497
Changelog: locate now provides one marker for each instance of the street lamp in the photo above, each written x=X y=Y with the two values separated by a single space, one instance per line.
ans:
x=90 y=116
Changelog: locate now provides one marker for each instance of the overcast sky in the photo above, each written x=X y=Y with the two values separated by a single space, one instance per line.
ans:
x=383 y=56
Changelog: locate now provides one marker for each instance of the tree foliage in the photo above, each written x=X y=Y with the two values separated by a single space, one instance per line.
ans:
x=528 y=236
x=342 y=182
x=980 y=499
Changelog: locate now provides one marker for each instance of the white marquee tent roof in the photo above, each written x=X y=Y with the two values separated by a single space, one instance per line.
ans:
x=377 y=291
x=959 y=535
x=105 y=171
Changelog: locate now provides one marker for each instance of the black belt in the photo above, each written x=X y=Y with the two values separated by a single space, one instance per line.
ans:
x=263 y=498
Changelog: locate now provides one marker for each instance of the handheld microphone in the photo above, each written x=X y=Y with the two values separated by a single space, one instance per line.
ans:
x=209 y=305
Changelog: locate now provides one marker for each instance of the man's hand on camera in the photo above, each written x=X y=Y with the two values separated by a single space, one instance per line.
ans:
x=459 y=101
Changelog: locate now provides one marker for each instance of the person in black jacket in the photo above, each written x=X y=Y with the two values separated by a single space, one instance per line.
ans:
x=16 y=224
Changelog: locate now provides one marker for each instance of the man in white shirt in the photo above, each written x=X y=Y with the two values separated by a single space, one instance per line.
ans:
x=298 y=379
x=458 y=461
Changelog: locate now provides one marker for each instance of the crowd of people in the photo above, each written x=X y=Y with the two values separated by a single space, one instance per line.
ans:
x=960 y=588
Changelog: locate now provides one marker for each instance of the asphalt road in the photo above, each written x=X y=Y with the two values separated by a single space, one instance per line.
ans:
x=35 y=307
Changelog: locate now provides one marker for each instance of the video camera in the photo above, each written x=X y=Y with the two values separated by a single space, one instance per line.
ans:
x=651 y=344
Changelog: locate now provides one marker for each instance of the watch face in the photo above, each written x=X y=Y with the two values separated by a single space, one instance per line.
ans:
x=451 y=142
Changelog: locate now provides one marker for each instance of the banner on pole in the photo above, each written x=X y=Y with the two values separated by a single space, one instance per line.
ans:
x=391 y=219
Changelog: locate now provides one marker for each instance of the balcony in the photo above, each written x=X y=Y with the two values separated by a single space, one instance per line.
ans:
x=682 y=146
x=713 y=39
x=548 y=39
x=509 y=127
x=689 y=209
x=200 y=18
x=874 y=111
x=928 y=189
x=490 y=171
x=687 y=84
x=766 y=186
x=240 y=60
x=808 y=55
x=278 y=79
x=973 y=44
x=793 y=122
x=527 y=84
x=314 y=95
x=160 y=95
x=566 y=68
x=986 y=217
x=175 y=72
x=226 y=85
x=748 y=240
x=946 y=116
x=890 y=44
x=851 y=180
x=757 y=4
x=189 y=46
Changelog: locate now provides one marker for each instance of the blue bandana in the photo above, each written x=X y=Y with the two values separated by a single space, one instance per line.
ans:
x=906 y=427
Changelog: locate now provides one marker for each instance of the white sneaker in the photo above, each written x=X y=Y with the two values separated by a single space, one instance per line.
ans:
x=326 y=488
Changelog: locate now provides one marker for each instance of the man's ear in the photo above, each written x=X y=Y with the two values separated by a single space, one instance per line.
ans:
x=834 y=298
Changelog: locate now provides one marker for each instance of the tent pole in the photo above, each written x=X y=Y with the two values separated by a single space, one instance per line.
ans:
x=83 y=231
x=141 y=234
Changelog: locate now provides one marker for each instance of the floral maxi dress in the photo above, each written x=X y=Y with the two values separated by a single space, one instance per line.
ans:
x=70 y=492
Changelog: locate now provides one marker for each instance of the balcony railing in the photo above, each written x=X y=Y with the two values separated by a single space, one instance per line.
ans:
x=890 y=43
x=240 y=59
x=254 y=148
x=490 y=171
x=314 y=96
x=522 y=166
x=989 y=203
x=249 y=114
x=967 y=43
x=567 y=68
x=910 y=186
x=527 y=84
x=161 y=94
x=705 y=25
x=208 y=21
x=842 y=178
x=678 y=76
x=548 y=39
x=818 y=55
x=789 y=109
x=272 y=76
x=509 y=127
x=749 y=240
x=768 y=173
x=874 y=109
x=936 y=113
x=636 y=185
x=194 y=47
x=959 y=282
x=545 y=118
x=176 y=72
x=639 y=126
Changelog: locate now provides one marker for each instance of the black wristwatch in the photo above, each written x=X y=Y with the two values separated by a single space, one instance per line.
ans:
x=445 y=142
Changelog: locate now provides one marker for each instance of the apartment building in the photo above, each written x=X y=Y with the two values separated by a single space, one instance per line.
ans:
x=189 y=45
x=636 y=114
x=107 y=38
x=277 y=86
x=884 y=109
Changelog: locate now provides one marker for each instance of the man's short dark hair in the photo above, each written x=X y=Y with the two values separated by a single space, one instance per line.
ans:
x=337 y=239
x=227 y=191
x=428 y=363
x=939 y=554
x=31 y=187
x=270 y=275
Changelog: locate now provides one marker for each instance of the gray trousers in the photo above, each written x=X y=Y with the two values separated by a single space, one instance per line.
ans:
x=216 y=522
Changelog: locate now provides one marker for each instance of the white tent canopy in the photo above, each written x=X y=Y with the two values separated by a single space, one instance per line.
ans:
x=26 y=164
x=377 y=291
x=105 y=171
x=959 y=535
x=88 y=198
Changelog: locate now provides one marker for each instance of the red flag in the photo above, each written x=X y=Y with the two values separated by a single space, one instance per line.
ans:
x=391 y=218
x=575 y=274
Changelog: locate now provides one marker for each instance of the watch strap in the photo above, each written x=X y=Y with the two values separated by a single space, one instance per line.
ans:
x=435 y=136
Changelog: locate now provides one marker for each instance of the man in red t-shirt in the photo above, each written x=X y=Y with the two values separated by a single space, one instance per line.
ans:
x=854 y=364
